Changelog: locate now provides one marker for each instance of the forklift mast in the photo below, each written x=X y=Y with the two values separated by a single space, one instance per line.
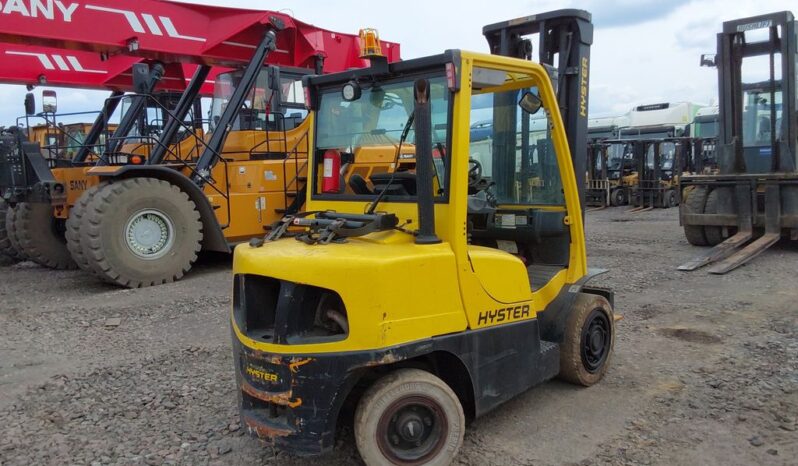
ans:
x=758 y=134
x=565 y=37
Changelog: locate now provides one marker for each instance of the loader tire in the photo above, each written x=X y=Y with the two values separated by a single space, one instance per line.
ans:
x=13 y=234
x=8 y=255
x=41 y=236
x=589 y=338
x=694 y=204
x=73 y=223
x=141 y=232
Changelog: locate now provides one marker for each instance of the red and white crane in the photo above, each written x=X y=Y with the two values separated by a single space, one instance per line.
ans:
x=176 y=32
x=32 y=65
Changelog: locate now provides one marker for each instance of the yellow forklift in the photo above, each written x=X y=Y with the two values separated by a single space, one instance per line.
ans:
x=448 y=288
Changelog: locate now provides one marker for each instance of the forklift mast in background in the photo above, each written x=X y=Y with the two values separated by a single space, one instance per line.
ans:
x=753 y=201
x=565 y=37
x=737 y=154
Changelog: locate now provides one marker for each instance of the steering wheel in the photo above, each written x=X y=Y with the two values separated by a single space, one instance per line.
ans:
x=474 y=173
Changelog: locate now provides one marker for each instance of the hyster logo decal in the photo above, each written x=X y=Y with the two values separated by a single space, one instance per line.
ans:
x=47 y=9
x=500 y=315
x=583 y=89
x=258 y=374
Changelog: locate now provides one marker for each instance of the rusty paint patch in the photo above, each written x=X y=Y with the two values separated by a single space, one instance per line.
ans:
x=389 y=358
x=298 y=363
x=282 y=398
x=265 y=431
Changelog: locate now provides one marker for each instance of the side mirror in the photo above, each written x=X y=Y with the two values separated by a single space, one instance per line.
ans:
x=49 y=102
x=30 y=104
x=709 y=60
x=530 y=103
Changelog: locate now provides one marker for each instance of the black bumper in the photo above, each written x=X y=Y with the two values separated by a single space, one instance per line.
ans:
x=292 y=402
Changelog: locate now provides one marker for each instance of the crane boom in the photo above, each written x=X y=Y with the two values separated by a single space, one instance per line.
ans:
x=32 y=65
x=177 y=32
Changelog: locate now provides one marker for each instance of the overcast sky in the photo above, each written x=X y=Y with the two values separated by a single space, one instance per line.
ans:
x=644 y=51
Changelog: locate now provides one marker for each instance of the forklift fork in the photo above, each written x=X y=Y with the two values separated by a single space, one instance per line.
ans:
x=771 y=236
x=728 y=254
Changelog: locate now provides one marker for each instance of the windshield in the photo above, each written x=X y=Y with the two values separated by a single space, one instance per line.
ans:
x=377 y=117
x=706 y=129
x=757 y=117
x=667 y=154
x=256 y=112
x=366 y=132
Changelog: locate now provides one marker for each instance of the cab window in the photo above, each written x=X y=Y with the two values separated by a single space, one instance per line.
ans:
x=514 y=150
x=365 y=136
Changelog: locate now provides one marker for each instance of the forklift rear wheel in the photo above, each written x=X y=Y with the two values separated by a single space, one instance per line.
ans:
x=618 y=198
x=73 y=223
x=141 y=232
x=694 y=203
x=13 y=239
x=409 y=417
x=8 y=255
x=589 y=338
x=41 y=236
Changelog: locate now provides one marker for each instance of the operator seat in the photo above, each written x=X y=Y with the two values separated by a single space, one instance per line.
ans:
x=359 y=184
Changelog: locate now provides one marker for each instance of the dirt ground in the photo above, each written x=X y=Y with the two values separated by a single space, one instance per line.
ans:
x=705 y=369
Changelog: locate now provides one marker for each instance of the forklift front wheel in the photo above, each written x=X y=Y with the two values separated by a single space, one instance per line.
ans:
x=589 y=338
x=618 y=198
x=670 y=199
x=409 y=417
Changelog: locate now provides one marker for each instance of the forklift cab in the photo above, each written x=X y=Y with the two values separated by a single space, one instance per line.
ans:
x=508 y=187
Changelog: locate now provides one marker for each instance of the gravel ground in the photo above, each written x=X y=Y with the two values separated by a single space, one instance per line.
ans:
x=705 y=369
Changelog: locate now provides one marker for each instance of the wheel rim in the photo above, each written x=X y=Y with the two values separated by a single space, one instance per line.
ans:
x=596 y=340
x=149 y=234
x=412 y=430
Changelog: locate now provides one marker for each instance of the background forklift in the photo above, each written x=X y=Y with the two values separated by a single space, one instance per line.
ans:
x=753 y=201
x=449 y=289
x=612 y=172
x=659 y=166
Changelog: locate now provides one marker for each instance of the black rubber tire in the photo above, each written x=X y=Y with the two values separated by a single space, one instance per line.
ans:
x=618 y=198
x=13 y=234
x=714 y=234
x=404 y=384
x=573 y=368
x=41 y=236
x=8 y=254
x=102 y=235
x=669 y=199
x=694 y=202
x=73 y=223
